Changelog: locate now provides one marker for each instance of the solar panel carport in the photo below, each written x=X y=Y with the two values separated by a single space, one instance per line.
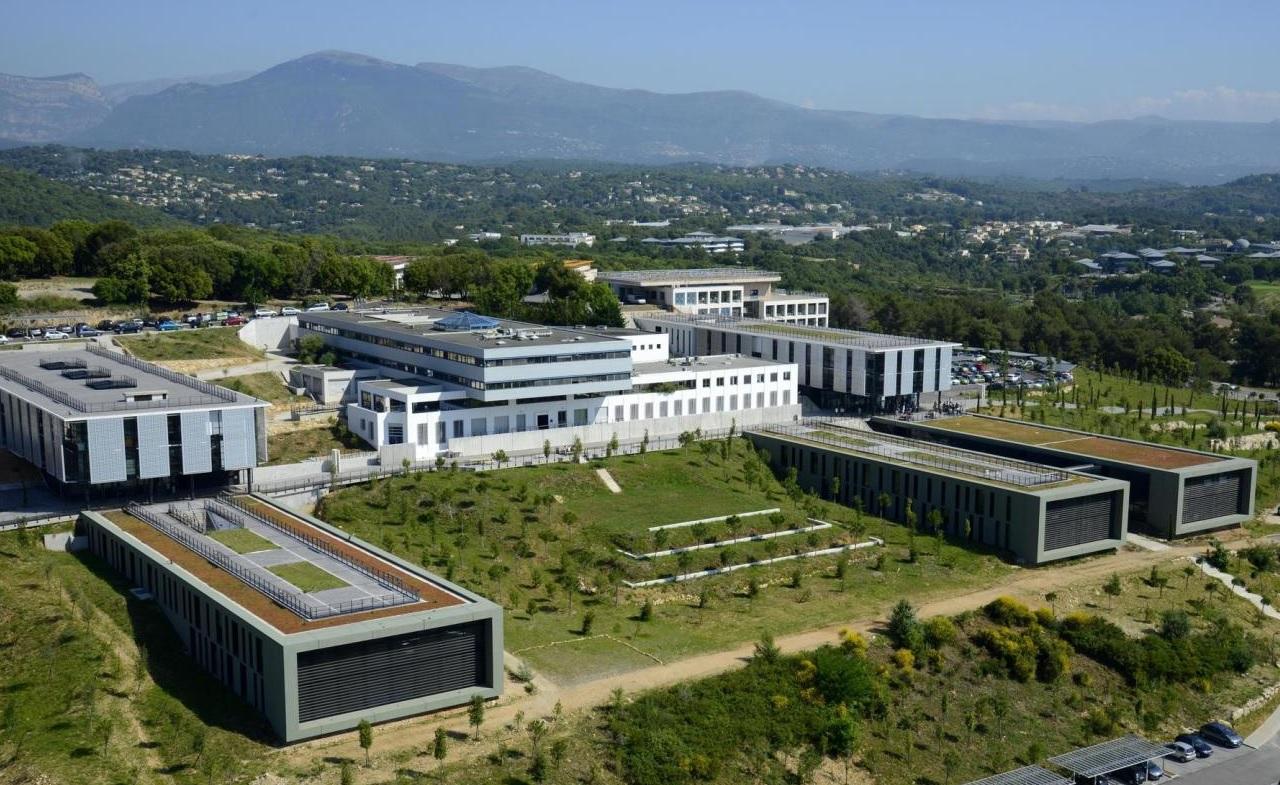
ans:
x=1109 y=756
x=1027 y=775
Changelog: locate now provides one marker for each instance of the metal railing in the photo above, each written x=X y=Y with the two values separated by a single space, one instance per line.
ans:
x=951 y=459
x=235 y=510
x=178 y=378
x=292 y=601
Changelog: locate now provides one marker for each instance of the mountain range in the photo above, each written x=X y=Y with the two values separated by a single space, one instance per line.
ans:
x=338 y=103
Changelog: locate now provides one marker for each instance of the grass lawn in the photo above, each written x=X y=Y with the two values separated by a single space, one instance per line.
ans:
x=266 y=385
x=1267 y=292
x=242 y=540
x=294 y=446
x=210 y=343
x=308 y=577
x=97 y=687
x=542 y=541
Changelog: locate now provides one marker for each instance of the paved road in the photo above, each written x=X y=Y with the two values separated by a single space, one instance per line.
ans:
x=1236 y=767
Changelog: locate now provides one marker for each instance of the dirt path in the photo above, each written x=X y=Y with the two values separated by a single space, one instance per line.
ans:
x=1029 y=586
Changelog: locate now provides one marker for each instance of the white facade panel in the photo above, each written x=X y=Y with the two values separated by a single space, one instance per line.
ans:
x=153 y=446
x=197 y=452
x=106 y=450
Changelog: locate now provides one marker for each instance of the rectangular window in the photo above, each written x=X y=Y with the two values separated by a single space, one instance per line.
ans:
x=579 y=416
x=562 y=418
x=479 y=426
x=635 y=411
x=786 y=397
x=759 y=400
x=648 y=411
x=773 y=398
x=395 y=434
x=662 y=409
x=733 y=403
x=522 y=424
x=679 y=412
x=706 y=382
x=618 y=413
x=457 y=429
x=502 y=424
x=440 y=432
x=719 y=403
x=706 y=405
x=719 y=381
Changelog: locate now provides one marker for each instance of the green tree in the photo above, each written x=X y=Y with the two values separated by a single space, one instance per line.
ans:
x=903 y=628
x=366 y=738
x=475 y=714
x=440 y=747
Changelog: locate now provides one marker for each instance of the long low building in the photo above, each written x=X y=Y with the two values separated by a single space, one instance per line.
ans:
x=96 y=421
x=726 y=291
x=1037 y=513
x=314 y=629
x=1173 y=491
x=464 y=384
x=844 y=370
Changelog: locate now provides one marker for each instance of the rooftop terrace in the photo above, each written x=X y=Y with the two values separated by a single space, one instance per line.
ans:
x=927 y=455
x=92 y=380
x=284 y=570
x=421 y=324
x=834 y=335
x=1076 y=442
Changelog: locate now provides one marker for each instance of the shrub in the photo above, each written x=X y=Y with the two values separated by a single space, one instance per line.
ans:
x=646 y=611
x=904 y=628
x=1008 y=611
x=1053 y=658
x=1016 y=649
x=905 y=660
x=939 y=631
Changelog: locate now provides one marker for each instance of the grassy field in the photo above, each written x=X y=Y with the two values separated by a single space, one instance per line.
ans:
x=205 y=344
x=294 y=446
x=308 y=577
x=95 y=687
x=266 y=385
x=242 y=540
x=1267 y=292
x=542 y=541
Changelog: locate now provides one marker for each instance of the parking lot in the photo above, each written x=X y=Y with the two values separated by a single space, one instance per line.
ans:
x=1221 y=755
x=1243 y=766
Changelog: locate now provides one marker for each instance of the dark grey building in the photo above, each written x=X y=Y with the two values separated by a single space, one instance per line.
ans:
x=1037 y=513
x=99 y=421
x=313 y=628
x=1172 y=491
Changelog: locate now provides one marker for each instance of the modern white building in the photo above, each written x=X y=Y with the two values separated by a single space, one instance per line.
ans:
x=571 y=239
x=101 y=422
x=711 y=243
x=848 y=370
x=724 y=291
x=458 y=383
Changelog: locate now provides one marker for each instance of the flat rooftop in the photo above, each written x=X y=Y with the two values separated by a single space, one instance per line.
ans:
x=1080 y=443
x=710 y=362
x=282 y=569
x=89 y=380
x=833 y=335
x=700 y=275
x=421 y=324
x=915 y=453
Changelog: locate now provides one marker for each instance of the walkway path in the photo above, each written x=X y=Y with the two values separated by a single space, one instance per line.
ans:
x=1228 y=580
x=1029 y=586
x=609 y=482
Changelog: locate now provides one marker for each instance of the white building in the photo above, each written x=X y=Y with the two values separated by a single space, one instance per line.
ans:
x=705 y=240
x=571 y=239
x=462 y=384
x=481 y=237
x=838 y=369
x=723 y=291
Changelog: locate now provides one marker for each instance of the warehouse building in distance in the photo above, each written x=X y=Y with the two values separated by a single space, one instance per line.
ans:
x=847 y=371
x=313 y=628
x=1037 y=513
x=1172 y=491
x=99 y=422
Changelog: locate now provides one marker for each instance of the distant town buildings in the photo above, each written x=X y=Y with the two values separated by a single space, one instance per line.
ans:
x=707 y=241
x=798 y=235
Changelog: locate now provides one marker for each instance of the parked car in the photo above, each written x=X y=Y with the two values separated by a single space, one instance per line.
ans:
x=289 y=310
x=1195 y=742
x=221 y=316
x=318 y=307
x=4 y=339
x=167 y=325
x=263 y=313
x=1154 y=771
x=66 y=328
x=1180 y=751
x=106 y=325
x=56 y=335
x=17 y=334
x=1221 y=734
x=126 y=328
x=340 y=306
x=88 y=332
x=235 y=321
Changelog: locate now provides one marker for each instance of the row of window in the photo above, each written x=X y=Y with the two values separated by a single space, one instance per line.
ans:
x=476 y=384
x=461 y=357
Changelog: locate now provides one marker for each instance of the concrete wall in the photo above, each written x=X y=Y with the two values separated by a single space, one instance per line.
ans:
x=275 y=333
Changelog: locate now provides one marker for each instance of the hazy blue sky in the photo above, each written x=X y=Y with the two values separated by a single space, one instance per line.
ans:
x=1043 y=59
